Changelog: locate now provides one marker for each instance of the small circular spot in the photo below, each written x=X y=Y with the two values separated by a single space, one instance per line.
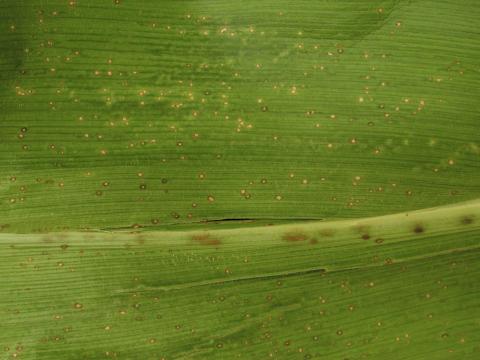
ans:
x=418 y=229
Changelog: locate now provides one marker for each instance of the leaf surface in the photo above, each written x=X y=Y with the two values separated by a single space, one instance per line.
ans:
x=254 y=179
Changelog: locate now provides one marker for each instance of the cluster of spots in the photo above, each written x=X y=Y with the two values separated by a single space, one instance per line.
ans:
x=285 y=316
x=170 y=116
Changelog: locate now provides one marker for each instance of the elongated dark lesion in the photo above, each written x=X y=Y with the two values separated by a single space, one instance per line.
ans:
x=467 y=220
x=295 y=236
x=206 y=239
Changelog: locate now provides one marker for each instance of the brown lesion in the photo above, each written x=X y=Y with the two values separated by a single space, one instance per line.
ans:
x=363 y=230
x=140 y=239
x=467 y=220
x=295 y=236
x=327 y=232
x=418 y=229
x=206 y=239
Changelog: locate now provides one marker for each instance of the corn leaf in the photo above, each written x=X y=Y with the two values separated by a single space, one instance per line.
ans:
x=209 y=179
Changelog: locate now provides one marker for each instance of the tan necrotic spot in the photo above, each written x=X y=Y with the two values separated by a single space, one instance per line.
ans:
x=295 y=236
x=206 y=239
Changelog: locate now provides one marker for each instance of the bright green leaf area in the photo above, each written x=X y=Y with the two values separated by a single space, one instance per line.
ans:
x=216 y=179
